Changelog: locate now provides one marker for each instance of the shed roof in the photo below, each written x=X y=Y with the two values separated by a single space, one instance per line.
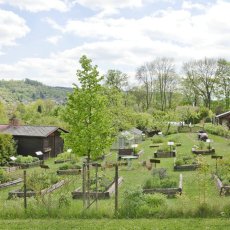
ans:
x=136 y=131
x=223 y=114
x=30 y=131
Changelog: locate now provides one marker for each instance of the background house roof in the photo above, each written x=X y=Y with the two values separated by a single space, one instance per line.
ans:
x=223 y=114
x=32 y=131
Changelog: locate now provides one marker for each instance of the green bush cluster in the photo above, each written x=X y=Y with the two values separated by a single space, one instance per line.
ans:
x=70 y=166
x=37 y=181
x=7 y=148
x=158 y=139
x=160 y=179
x=66 y=156
x=4 y=176
x=183 y=159
x=217 y=130
x=26 y=159
x=137 y=204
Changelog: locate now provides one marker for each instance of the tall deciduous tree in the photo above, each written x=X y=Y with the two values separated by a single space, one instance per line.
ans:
x=223 y=76
x=87 y=115
x=116 y=79
x=145 y=75
x=202 y=77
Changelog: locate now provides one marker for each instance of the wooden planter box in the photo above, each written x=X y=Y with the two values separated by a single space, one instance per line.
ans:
x=69 y=172
x=185 y=167
x=162 y=154
x=203 y=151
x=224 y=189
x=191 y=167
x=19 y=193
x=155 y=145
x=11 y=169
x=61 y=161
x=170 y=192
x=78 y=194
x=10 y=183
x=26 y=165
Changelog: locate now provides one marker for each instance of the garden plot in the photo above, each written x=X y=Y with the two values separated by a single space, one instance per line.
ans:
x=25 y=162
x=160 y=182
x=185 y=163
x=38 y=184
x=6 y=179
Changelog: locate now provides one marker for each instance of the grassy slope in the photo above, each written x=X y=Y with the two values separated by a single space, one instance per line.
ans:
x=189 y=200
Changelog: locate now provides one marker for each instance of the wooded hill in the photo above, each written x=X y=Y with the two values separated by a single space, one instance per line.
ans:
x=27 y=90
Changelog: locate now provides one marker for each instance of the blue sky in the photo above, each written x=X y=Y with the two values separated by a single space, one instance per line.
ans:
x=44 y=39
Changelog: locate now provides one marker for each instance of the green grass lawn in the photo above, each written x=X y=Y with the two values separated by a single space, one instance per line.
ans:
x=60 y=204
x=132 y=224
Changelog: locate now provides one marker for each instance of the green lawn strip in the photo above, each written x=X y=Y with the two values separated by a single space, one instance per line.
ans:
x=116 y=224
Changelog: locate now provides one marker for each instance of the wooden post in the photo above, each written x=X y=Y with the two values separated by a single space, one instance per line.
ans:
x=116 y=189
x=96 y=185
x=25 y=201
x=88 y=180
x=83 y=186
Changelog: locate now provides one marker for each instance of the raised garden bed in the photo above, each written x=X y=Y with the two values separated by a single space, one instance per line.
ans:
x=25 y=165
x=78 y=194
x=185 y=164
x=61 y=161
x=10 y=183
x=223 y=189
x=170 y=192
x=11 y=169
x=69 y=172
x=203 y=151
x=19 y=193
x=164 y=154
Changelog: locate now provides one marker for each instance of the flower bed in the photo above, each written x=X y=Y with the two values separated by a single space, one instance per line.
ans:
x=106 y=194
x=65 y=157
x=161 y=183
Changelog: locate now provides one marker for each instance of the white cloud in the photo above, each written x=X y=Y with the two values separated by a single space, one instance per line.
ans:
x=54 y=39
x=39 y=5
x=109 y=4
x=192 y=5
x=12 y=27
x=125 y=44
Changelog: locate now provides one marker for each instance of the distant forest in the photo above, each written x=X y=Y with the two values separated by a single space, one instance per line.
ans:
x=27 y=90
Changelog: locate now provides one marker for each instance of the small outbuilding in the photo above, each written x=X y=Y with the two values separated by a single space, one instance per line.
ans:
x=224 y=119
x=32 y=139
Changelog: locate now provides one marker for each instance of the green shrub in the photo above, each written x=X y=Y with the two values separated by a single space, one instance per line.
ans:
x=37 y=181
x=157 y=182
x=136 y=204
x=158 y=139
x=70 y=166
x=26 y=159
x=217 y=130
x=4 y=176
x=7 y=148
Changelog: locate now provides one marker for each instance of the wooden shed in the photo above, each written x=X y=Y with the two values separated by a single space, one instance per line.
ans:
x=224 y=119
x=31 y=139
